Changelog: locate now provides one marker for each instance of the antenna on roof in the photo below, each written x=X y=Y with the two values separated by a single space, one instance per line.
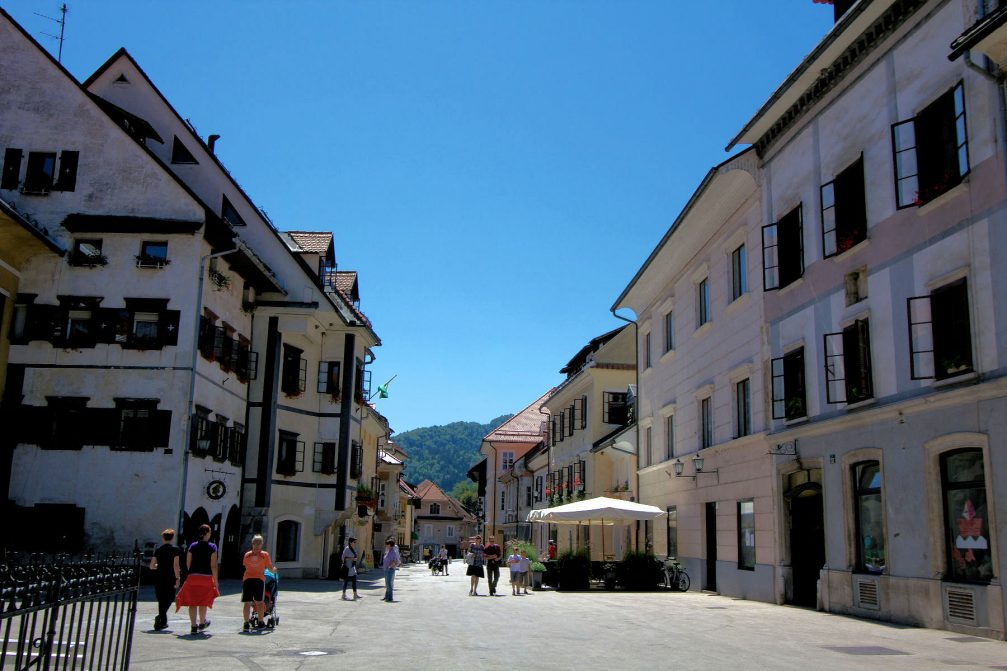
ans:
x=62 y=25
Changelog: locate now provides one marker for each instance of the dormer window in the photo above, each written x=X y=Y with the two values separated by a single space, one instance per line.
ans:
x=229 y=214
x=180 y=154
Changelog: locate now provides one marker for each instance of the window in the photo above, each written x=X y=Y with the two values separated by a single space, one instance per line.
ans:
x=506 y=461
x=145 y=331
x=538 y=488
x=80 y=328
x=324 y=460
x=41 y=172
x=180 y=154
x=66 y=419
x=356 y=459
x=527 y=496
x=449 y=531
x=503 y=500
x=940 y=333
x=229 y=214
x=669 y=437
x=788 y=385
x=931 y=150
x=672 y=537
x=616 y=408
x=844 y=210
x=646 y=350
x=294 y=372
x=362 y=379
x=428 y=530
x=87 y=253
x=783 y=250
x=739 y=280
x=647 y=453
x=856 y=286
x=702 y=302
x=288 y=540
x=848 y=364
x=328 y=378
x=152 y=255
x=435 y=509
x=669 y=331
x=706 y=422
x=743 y=408
x=746 y=535
x=869 y=517
x=236 y=445
x=141 y=425
x=289 y=454
x=966 y=517
x=579 y=412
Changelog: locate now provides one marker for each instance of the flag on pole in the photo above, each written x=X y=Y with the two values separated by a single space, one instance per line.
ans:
x=382 y=391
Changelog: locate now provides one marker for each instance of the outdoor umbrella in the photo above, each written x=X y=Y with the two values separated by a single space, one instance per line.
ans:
x=600 y=510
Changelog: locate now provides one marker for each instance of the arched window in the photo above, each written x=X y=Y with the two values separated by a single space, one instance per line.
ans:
x=966 y=518
x=435 y=509
x=869 y=512
x=288 y=540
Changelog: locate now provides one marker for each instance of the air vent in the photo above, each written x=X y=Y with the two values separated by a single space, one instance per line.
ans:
x=960 y=605
x=867 y=593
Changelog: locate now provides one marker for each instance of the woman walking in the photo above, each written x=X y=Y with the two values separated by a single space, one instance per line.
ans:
x=200 y=587
x=167 y=571
x=350 y=567
x=390 y=562
x=475 y=569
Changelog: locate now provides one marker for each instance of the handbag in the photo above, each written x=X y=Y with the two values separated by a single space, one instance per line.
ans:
x=469 y=558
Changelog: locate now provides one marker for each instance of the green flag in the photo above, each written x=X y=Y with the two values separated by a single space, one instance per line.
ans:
x=382 y=391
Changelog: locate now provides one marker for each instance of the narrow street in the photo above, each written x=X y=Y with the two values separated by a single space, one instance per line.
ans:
x=434 y=625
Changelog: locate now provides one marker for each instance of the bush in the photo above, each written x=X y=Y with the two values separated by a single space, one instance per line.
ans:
x=574 y=570
x=527 y=547
x=639 y=571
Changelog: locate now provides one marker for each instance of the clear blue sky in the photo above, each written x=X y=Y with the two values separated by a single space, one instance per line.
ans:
x=496 y=170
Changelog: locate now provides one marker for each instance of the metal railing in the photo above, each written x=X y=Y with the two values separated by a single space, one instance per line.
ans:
x=67 y=613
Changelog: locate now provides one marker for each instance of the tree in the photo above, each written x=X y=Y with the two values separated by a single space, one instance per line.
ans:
x=467 y=494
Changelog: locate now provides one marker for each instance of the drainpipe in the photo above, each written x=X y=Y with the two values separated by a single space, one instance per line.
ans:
x=486 y=506
x=192 y=385
x=636 y=418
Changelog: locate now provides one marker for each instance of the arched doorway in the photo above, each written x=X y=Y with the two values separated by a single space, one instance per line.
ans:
x=191 y=524
x=231 y=545
x=807 y=534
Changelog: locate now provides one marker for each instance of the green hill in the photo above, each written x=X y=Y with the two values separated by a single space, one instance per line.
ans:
x=444 y=454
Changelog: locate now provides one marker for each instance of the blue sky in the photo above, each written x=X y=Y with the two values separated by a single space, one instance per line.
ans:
x=495 y=170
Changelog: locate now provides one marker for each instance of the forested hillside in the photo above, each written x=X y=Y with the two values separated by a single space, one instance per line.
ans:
x=444 y=454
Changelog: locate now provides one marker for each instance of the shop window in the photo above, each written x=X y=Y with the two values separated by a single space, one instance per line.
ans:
x=869 y=517
x=289 y=454
x=739 y=279
x=615 y=408
x=844 y=210
x=288 y=540
x=293 y=376
x=931 y=150
x=746 y=535
x=848 y=364
x=743 y=408
x=783 y=250
x=966 y=517
x=940 y=333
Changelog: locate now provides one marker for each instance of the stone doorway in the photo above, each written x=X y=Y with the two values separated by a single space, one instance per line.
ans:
x=807 y=535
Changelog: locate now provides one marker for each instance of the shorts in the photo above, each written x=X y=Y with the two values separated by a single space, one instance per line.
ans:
x=515 y=577
x=253 y=589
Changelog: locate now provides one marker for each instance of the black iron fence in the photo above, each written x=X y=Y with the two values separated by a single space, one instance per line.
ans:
x=67 y=613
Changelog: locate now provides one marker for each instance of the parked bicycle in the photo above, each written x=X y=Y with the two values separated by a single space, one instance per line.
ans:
x=675 y=576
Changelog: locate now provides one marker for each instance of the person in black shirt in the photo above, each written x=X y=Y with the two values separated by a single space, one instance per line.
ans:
x=494 y=555
x=167 y=572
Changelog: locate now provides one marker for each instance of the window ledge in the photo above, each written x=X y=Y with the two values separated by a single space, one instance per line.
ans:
x=796 y=421
x=738 y=303
x=796 y=283
x=862 y=404
x=940 y=200
x=667 y=356
x=842 y=256
x=964 y=378
x=702 y=330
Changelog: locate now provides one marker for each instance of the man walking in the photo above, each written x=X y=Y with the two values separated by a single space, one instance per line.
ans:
x=494 y=555
x=390 y=562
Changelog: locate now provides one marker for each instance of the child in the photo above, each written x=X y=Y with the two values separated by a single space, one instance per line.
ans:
x=524 y=569
x=514 y=562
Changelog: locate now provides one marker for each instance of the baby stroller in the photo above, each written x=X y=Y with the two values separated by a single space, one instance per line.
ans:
x=437 y=566
x=271 y=618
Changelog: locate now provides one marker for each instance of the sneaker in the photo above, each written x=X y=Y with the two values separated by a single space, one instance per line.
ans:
x=204 y=625
x=246 y=627
x=260 y=625
x=344 y=598
x=356 y=596
x=194 y=631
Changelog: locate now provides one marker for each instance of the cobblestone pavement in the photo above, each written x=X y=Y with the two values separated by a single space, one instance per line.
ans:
x=434 y=625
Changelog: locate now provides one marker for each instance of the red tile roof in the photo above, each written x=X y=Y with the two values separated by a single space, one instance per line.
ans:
x=313 y=242
x=528 y=426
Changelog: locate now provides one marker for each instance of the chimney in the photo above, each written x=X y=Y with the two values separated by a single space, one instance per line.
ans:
x=211 y=141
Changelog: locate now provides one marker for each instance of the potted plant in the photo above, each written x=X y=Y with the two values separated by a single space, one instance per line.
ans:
x=609 y=575
x=639 y=571
x=537 y=570
x=365 y=496
x=574 y=570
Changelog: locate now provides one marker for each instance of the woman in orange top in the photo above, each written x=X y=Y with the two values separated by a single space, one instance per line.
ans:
x=253 y=584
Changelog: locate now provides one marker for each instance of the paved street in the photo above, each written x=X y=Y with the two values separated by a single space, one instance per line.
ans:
x=435 y=625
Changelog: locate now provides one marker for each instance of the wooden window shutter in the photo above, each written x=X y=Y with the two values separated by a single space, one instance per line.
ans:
x=66 y=179
x=11 y=169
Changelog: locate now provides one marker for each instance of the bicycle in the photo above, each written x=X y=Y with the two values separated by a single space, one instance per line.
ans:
x=675 y=576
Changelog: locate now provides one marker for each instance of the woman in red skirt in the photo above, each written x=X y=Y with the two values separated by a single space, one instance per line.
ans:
x=200 y=587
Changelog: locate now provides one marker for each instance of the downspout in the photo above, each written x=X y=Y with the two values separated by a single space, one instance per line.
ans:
x=194 y=359
x=492 y=531
x=636 y=417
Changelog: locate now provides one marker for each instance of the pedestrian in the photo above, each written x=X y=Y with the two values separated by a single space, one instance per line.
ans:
x=514 y=564
x=200 y=587
x=552 y=549
x=253 y=583
x=444 y=559
x=475 y=559
x=524 y=570
x=167 y=571
x=349 y=567
x=494 y=557
x=390 y=562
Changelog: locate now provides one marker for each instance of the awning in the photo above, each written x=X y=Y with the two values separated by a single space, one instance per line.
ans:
x=600 y=510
